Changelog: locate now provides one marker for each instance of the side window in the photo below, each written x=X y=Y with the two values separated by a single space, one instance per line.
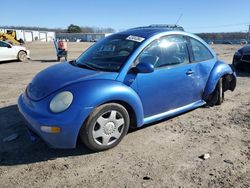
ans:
x=167 y=51
x=173 y=51
x=200 y=51
x=2 y=44
x=151 y=52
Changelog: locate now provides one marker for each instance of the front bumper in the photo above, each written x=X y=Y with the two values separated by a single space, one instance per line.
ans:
x=37 y=115
x=241 y=61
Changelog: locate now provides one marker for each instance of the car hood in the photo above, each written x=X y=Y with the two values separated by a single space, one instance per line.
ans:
x=59 y=76
x=246 y=49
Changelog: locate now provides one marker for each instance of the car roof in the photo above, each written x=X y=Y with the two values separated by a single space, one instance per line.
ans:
x=148 y=31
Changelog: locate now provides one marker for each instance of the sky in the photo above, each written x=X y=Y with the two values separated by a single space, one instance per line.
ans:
x=197 y=15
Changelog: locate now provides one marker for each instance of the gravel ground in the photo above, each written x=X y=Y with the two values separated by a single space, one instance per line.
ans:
x=164 y=154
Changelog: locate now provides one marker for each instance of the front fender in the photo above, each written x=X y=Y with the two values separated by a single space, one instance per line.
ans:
x=93 y=93
x=219 y=70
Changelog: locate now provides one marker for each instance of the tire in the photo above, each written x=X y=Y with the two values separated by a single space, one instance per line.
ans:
x=217 y=97
x=220 y=92
x=22 y=56
x=105 y=127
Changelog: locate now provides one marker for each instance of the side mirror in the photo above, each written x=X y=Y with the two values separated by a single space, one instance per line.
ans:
x=9 y=46
x=146 y=64
x=145 y=67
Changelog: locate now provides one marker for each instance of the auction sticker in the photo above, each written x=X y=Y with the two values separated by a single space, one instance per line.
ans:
x=135 y=38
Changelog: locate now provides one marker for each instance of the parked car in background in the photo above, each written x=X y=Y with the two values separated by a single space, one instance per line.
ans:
x=243 y=42
x=13 y=52
x=227 y=42
x=128 y=79
x=241 y=58
x=93 y=40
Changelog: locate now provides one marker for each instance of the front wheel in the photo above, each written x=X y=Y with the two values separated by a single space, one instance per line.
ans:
x=22 y=56
x=105 y=127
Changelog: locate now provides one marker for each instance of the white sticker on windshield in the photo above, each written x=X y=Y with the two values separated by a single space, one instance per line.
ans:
x=135 y=38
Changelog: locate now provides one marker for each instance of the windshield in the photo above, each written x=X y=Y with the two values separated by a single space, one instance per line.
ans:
x=110 y=54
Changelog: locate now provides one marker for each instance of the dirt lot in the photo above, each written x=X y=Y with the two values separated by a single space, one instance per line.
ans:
x=164 y=154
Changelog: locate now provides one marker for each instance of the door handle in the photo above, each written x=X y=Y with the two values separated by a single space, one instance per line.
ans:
x=189 y=72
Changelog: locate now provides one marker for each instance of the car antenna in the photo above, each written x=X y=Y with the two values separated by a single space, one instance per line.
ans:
x=179 y=19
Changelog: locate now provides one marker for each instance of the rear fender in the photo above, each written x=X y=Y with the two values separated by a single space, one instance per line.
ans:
x=220 y=70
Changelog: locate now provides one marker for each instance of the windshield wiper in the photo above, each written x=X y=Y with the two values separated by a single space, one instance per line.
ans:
x=85 y=65
x=73 y=62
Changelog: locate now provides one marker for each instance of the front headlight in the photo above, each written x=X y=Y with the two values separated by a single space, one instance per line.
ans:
x=61 y=102
x=237 y=53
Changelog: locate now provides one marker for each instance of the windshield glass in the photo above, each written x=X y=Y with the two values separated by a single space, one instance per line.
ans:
x=110 y=54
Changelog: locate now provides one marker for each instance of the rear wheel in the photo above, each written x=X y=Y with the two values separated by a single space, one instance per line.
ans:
x=22 y=56
x=220 y=92
x=217 y=97
x=105 y=127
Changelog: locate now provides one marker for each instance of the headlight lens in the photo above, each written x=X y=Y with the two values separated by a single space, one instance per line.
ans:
x=237 y=53
x=61 y=102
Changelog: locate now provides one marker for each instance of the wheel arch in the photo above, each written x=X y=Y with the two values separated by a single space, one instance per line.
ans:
x=108 y=91
x=129 y=108
x=220 y=70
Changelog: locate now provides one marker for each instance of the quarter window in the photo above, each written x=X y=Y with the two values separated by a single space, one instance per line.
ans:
x=167 y=51
x=200 y=51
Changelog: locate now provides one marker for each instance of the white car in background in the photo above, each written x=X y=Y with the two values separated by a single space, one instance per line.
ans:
x=13 y=52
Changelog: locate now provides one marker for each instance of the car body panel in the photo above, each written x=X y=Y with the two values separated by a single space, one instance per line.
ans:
x=174 y=112
x=153 y=96
x=173 y=82
x=37 y=114
x=61 y=75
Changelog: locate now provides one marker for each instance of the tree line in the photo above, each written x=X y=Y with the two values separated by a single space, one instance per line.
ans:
x=86 y=29
x=231 y=35
x=70 y=29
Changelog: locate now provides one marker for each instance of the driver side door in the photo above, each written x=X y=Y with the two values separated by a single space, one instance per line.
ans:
x=173 y=83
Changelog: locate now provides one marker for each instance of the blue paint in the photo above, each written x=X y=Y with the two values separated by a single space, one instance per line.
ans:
x=152 y=93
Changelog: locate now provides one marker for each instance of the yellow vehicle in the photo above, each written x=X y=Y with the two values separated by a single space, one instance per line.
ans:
x=10 y=37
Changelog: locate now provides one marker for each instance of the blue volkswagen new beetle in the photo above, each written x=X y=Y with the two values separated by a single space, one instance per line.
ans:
x=126 y=80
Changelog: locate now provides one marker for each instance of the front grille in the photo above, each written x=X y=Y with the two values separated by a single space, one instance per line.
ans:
x=246 y=57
